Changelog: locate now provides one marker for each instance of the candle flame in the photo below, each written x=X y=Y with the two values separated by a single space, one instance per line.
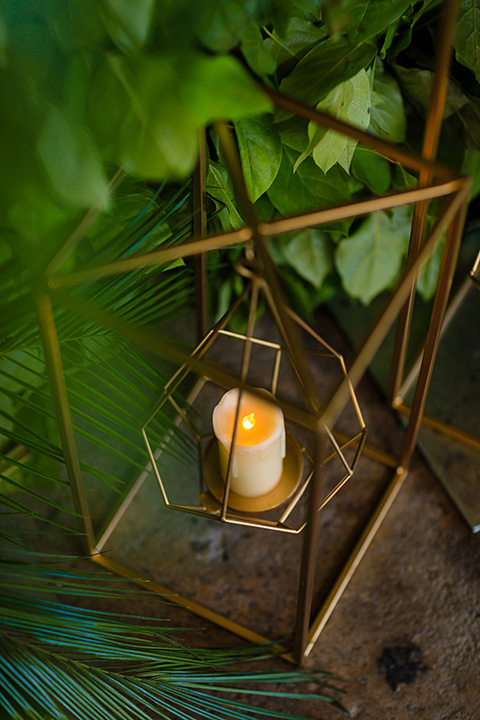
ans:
x=249 y=421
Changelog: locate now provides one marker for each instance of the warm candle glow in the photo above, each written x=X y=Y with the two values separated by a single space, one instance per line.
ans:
x=257 y=461
x=248 y=421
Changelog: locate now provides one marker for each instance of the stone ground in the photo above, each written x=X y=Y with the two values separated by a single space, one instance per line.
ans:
x=404 y=638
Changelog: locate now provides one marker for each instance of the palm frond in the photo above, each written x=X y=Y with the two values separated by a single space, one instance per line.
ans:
x=75 y=662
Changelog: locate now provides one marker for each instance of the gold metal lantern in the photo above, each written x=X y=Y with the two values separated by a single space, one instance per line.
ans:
x=217 y=499
x=307 y=413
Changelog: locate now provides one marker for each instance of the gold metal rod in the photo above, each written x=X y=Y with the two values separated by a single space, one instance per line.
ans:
x=309 y=552
x=362 y=207
x=446 y=428
x=238 y=237
x=356 y=556
x=389 y=314
x=433 y=126
x=295 y=500
x=81 y=230
x=265 y=524
x=449 y=315
x=120 y=511
x=372 y=452
x=276 y=371
x=395 y=153
x=253 y=340
x=191 y=605
x=53 y=362
x=157 y=257
x=272 y=290
x=150 y=341
x=334 y=491
x=312 y=332
x=200 y=232
x=243 y=378
x=474 y=270
x=445 y=280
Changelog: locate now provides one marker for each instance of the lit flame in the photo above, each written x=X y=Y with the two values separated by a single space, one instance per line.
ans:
x=248 y=421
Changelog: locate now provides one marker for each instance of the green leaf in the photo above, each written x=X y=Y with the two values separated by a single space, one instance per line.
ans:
x=127 y=23
x=372 y=17
x=469 y=117
x=403 y=180
x=349 y=102
x=327 y=65
x=220 y=25
x=310 y=254
x=467 y=35
x=417 y=85
x=219 y=186
x=307 y=189
x=471 y=166
x=369 y=261
x=260 y=151
x=428 y=276
x=146 y=110
x=220 y=87
x=6 y=413
x=71 y=161
x=294 y=133
x=257 y=56
x=372 y=169
x=388 y=119
x=299 y=37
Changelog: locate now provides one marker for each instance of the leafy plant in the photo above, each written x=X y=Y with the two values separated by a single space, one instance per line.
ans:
x=370 y=64
x=101 y=108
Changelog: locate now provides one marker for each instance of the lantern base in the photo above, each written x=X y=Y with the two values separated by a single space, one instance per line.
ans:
x=283 y=490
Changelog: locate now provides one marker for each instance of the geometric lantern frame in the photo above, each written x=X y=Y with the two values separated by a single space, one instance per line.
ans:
x=435 y=181
x=218 y=508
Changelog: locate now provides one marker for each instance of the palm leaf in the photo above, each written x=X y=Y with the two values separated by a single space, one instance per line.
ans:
x=68 y=662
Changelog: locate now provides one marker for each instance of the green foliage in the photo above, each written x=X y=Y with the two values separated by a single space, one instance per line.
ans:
x=388 y=114
x=349 y=102
x=260 y=151
x=370 y=259
x=467 y=35
x=95 y=86
x=59 y=661
x=325 y=66
x=309 y=253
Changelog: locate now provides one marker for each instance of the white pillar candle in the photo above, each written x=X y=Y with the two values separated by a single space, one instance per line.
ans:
x=257 y=461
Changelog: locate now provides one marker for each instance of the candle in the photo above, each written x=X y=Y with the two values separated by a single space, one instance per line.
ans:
x=257 y=461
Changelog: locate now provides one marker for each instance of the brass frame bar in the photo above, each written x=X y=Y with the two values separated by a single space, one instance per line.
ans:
x=395 y=153
x=53 y=362
x=453 y=306
x=433 y=126
x=157 y=257
x=390 y=312
x=356 y=556
x=200 y=232
x=361 y=207
x=191 y=605
x=274 y=295
x=245 y=235
x=309 y=552
x=474 y=271
x=447 y=429
x=433 y=338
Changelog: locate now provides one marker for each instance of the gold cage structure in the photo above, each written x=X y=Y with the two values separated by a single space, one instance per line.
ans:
x=217 y=500
x=434 y=181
